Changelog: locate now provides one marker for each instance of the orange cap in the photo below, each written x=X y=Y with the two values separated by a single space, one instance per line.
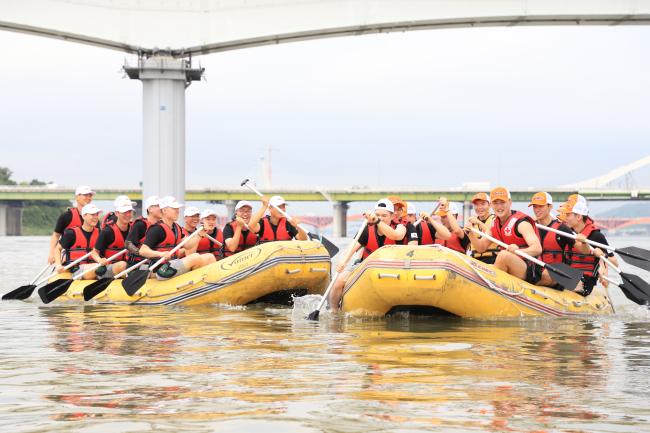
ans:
x=541 y=198
x=481 y=196
x=397 y=202
x=499 y=193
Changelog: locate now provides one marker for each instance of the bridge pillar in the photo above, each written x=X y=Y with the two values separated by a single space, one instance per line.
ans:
x=340 y=220
x=11 y=218
x=230 y=208
x=164 y=80
x=467 y=210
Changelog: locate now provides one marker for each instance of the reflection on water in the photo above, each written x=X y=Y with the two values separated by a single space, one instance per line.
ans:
x=121 y=368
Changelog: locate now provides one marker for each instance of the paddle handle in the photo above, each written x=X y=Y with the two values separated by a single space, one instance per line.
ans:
x=504 y=245
x=569 y=235
x=177 y=247
x=214 y=240
x=39 y=274
x=110 y=259
x=80 y=259
x=283 y=213
x=336 y=274
x=126 y=271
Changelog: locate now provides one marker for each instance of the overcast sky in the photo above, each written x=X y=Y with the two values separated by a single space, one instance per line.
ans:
x=536 y=106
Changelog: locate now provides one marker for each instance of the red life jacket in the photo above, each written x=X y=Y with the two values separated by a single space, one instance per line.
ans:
x=171 y=239
x=426 y=236
x=76 y=220
x=453 y=243
x=118 y=241
x=281 y=233
x=245 y=241
x=507 y=232
x=552 y=251
x=207 y=246
x=109 y=218
x=81 y=246
x=373 y=240
x=134 y=258
x=186 y=232
x=587 y=262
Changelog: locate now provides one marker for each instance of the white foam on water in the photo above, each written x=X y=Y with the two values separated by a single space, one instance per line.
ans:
x=304 y=305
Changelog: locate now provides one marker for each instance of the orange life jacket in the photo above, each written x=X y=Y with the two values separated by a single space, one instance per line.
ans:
x=281 y=233
x=81 y=246
x=245 y=241
x=373 y=240
x=207 y=246
x=118 y=241
x=507 y=232
x=171 y=239
x=453 y=243
x=552 y=251
x=587 y=262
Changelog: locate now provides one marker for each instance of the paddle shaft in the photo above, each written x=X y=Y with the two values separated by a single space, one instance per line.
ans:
x=283 y=213
x=336 y=274
x=176 y=248
x=569 y=235
x=214 y=240
x=39 y=274
x=504 y=245
x=110 y=259
x=126 y=271
x=68 y=266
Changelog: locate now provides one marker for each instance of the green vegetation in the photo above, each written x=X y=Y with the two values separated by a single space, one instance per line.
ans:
x=39 y=217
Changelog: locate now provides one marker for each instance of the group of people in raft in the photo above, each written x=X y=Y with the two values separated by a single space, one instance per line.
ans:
x=392 y=221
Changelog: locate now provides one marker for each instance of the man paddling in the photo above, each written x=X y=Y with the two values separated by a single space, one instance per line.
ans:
x=83 y=195
x=111 y=217
x=554 y=247
x=430 y=228
x=483 y=222
x=112 y=239
x=515 y=229
x=139 y=228
x=381 y=230
x=458 y=240
x=208 y=220
x=78 y=241
x=275 y=227
x=191 y=216
x=163 y=236
x=236 y=234
x=400 y=216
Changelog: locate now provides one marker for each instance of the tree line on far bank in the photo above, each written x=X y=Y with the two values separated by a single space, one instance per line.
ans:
x=39 y=216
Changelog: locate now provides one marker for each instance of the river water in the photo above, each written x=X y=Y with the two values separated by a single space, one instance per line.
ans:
x=258 y=369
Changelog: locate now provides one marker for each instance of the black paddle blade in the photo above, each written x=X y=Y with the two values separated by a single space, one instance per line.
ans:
x=313 y=315
x=95 y=288
x=21 y=293
x=332 y=249
x=564 y=275
x=633 y=294
x=53 y=290
x=134 y=281
x=636 y=257
x=637 y=282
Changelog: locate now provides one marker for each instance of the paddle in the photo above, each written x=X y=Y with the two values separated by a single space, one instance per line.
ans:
x=633 y=255
x=137 y=278
x=564 y=275
x=53 y=290
x=27 y=293
x=630 y=291
x=329 y=246
x=633 y=287
x=314 y=314
x=219 y=244
x=97 y=287
x=24 y=292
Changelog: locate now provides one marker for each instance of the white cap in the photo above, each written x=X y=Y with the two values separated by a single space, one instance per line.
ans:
x=385 y=204
x=276 y=200
x=90 y=208
x=124 y=206
x=453 y=208
x=242 y=203
x=84 y=189
x=208 y=212
x=191 y=211
x=154 y=200
x=410 y=208
x=580 y=208
x=169 y=201
x=121 y=199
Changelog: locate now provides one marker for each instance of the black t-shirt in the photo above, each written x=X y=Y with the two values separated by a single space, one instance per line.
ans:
x=62 y=222
x=564 y=242
x=156 y=234
x=69 y=237
x=465 y=242
x=432 y=229
x=598 y=236
x=411 y=233
x=137 y=232
x=107 y=237
x=363 y=238
x=293 y=232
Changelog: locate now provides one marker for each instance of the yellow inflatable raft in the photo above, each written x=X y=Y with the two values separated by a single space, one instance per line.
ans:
x=439 y=280
x=272 y=272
